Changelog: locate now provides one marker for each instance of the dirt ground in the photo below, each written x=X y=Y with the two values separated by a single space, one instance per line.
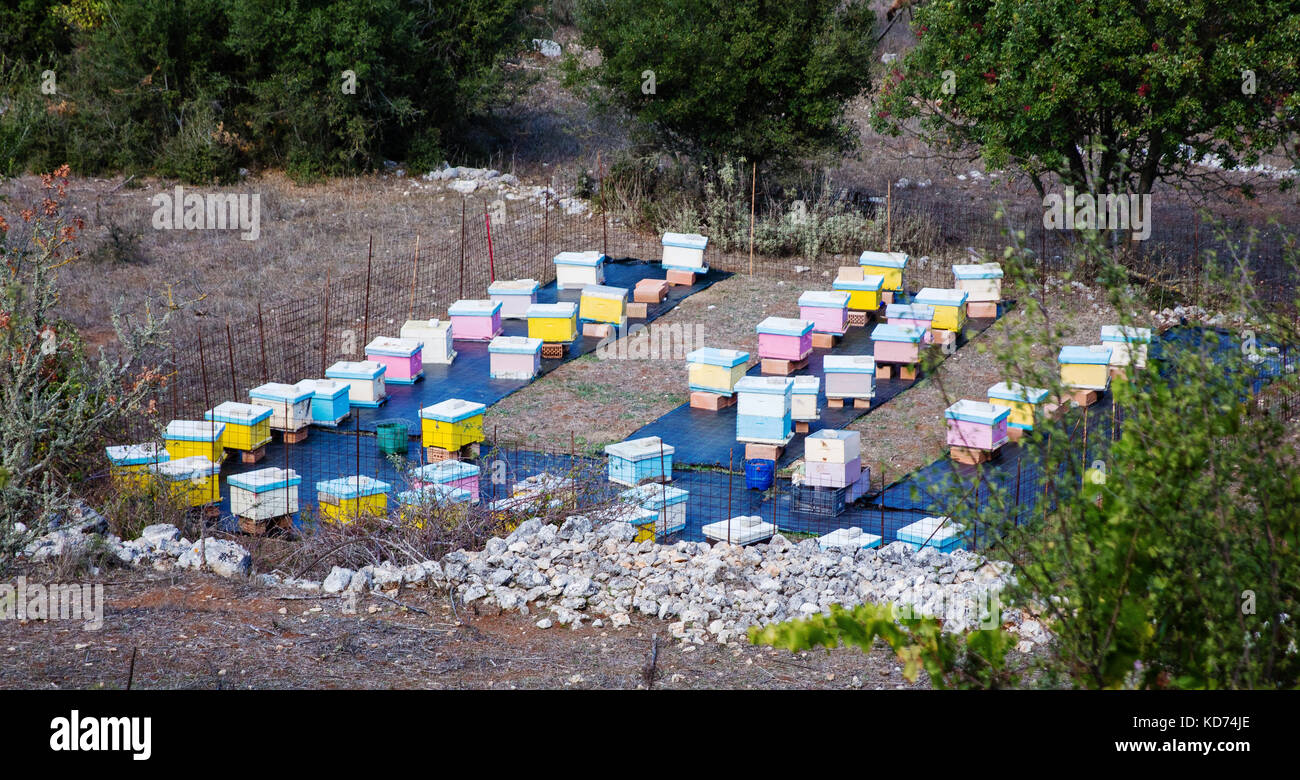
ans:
x=204 y=632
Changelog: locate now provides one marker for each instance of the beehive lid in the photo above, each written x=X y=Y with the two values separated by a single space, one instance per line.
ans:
x=785 y=326
x=396 y=347
x=345 y=488
x=561 y=310
x=712 y=356
x=849 y=364
x=639 y=449
x=324 y=388
x=585 y=259
x=193 y=467
x=686 y=240
x=445 y=471
x=631 y=514
x=830 y=299
x=434 y=494
x=356 y=369
x=868 y=283
x=977 y=412
x=834 y=434
x=475 y=308
x=904 y=333
x=193 y=430
x=603 y=291
x=909 y=311
x=807 y=385
x=937 y=530
x=137 y=454
x=515 y=345
x=847 y=537
x=935 y=296
x=418 y=326
x=766 y=385
x=1127 y=334
x=263 y=480
x=1014 y=391
x=513 y=287
x=1093 y=354
x=977 y=271
x=278 y=391
x=238 y=413
x=655 y=496
x=452 y=410
x=883 y=259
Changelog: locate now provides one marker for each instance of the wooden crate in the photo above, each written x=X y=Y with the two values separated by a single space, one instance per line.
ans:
x=972 y=456
x=982 y=309
x=754 y=451
x=774 y=367
x=823 y=340
x=711 y=401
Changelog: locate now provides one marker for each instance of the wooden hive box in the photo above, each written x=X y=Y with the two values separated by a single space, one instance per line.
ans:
x=890 y=265
x=603 y=304
x=977 y=425
x=864 y=293
x=575 y=270
x=515 y=296
x=982 y=282
x=949 y=307
x=782 y=338
x=713 y=370
x=1128 y=344
x=635 y=461
x=401 y=359
x=290 y=404
x=849 y=539
x=452 y=424
x=553 y=323
x=514 y=357
x=896 y=344
x=435 y=338
x=684 y=252
x=742 y=530
x=912 y=315
x=346 y=499
x=1024 y=402
x=763 y=409
x=329 y=400
x=941 y=533
x=832 y=446
x=850 y=376
x=477 y=320
x=1085 y=368
x=365 y=380
x=454 y=473
x=248 y=426
x=194 y=481
x=416 y=504
x=129 y=464
x=826 y=310
x=264 y=493
x=831 y=474
x=667 y=502
x=187 y=438
x=803 y=398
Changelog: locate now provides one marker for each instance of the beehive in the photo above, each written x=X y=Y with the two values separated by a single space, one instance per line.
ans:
x=977 y=425
x=434 y=336
x=887 y=264
x=744 y=529
x=193 y=481
x=912 y=315
x=187 y=438
x=475 y=320
x=803 y=398
x=365 y=380
x=641 y=519
x=848 y=539
x=452 y=424
x=831 y=474
x=981 y=281
x=864 y=293
x=248 y=426
x=603 y=304
x=575 y=270
x=713 y=370
x=1085 y=368
x=1128 y=345
x=763 y=409
x=826 y=310
x=264 y=493
x=634 y=461
x=684 y=251
x=850 y=376
x=896 y=343
x=401 y=358
x=832 y=446
x=290 y=404
x=128 y=464
x=414 y=506
x=454 y=473
x=514 y=357
x=941 y=533
x=347 y=499
x=781 y=338
x=553 y=323
x=515 y=296
x=329 y=400
x=1024 y=402
x=667 y=502
x=949 y=307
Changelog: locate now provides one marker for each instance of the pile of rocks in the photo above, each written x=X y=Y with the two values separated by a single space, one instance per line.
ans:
x=467 y=181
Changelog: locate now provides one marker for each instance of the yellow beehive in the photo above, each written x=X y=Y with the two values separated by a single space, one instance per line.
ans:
x=193 y=481
x=712 y=370
x=448 y=503
x=949 y=307
x=188 y=438
x=1085 y=368
x=603 y=304
x=864 y=290
x=890 y=265
x=452 y=424
x=129 y=463
x=1024 y=402
x=553 y=323
x=346 y=499
x=248 y=426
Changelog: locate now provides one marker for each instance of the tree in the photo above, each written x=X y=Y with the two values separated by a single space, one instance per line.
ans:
x=758 y=79
x=1110 y=95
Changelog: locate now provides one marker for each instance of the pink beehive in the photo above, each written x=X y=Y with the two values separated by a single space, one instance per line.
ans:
x=780 y=338
x=976 y=424
x=896 y=344
x=402 y=358
x=827 y=311
x=475 y=320
x=834 y=475
x=452 y=473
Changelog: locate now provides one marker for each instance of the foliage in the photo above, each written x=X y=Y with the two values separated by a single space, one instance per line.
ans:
x=1111 y=95
x=763 y=80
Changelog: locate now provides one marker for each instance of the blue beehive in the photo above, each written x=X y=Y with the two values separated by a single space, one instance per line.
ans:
x=329 y=400
x=941 y=533
x=763 y=412
x=639 y=460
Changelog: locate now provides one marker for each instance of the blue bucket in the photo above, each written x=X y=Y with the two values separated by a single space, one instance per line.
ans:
x=759 y=474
